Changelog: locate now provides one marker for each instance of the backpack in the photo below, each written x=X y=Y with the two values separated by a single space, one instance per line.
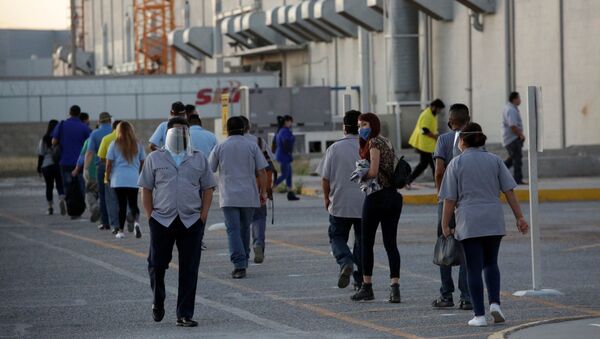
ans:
x=401 y=173
x=271 y=172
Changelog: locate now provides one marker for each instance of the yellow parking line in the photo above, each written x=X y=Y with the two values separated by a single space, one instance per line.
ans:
x=584 y=247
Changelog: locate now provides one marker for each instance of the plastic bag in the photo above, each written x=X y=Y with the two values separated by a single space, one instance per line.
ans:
x=448 y=252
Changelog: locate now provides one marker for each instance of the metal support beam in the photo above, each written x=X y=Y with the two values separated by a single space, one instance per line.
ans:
x=480 y=6
x=325 y=13
x=307 y=11
x=175 y=40
x=276 y=18
x=439 y=10
x=359 y=13
x=299 y=25
x=228 y=28
x=200 y=39
x=255 y=25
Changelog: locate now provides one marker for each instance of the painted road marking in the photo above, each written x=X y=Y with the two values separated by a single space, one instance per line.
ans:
x=584 y=247
x=144 y=280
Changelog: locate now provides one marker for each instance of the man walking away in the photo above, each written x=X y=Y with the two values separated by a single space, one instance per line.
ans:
x=285 y=140
x=170 y=180
x=259 y=219
x=423 y=138
x=92 y=160
x=70 y=135
x=157 y=140
x=202 y=140
x=239 y=162
x=344 y=200
x=513 y=137
x=446 y=149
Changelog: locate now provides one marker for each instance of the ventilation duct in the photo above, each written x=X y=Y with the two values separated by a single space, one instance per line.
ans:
x=254 y=24
x=325 y=13
x=228 y=28
x=175 y=40
x=200 y=39
x=439 y=10
x=276 y=19
x=359 y=13
x=303 y=28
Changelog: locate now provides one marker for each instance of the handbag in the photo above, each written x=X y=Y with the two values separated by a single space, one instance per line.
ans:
x=448 y=252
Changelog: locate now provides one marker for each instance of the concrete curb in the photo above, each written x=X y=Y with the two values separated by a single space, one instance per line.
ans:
x=505 y=333
x=545 y=195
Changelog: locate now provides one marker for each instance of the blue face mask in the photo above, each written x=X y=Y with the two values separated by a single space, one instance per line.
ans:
x=364 y=133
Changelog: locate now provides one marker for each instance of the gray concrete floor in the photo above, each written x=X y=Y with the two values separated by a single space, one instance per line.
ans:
x=61 y=278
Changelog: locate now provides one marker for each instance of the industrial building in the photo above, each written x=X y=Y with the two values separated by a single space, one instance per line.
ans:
x=391 y=56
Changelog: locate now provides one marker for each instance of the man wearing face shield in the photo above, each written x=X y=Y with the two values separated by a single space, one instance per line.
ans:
x=157 y=140
x=446 y=148
x=170 y=180
x=239 y=163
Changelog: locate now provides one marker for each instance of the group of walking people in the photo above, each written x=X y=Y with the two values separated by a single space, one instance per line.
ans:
x=176 y=179
x=469 y=181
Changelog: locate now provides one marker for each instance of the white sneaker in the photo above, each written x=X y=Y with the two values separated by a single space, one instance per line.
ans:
x=497 y=314
x=478 y=321
x=120 y=235
x=138 y=231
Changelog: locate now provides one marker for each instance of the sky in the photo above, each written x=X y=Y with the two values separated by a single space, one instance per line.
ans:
x=34 y=14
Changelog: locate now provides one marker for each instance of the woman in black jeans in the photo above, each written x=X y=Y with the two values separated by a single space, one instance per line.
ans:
x=50 y=170
x=380 y=207
x=472 y=185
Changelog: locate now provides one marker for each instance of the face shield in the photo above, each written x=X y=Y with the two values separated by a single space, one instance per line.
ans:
x=178 y=140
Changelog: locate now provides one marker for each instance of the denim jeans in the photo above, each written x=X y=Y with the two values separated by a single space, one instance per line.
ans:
x=237 y=222
x=259 y=225
x=515 y=159
x=339 y=231
x=102 y=188
x=447 y=287
x=112 y=206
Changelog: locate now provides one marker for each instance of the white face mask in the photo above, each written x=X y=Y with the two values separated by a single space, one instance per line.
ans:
x=178 y=140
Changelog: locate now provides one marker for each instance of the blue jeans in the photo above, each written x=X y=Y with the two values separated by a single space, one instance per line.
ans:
x=102 y=194
x=481 y=254
x=237 y=222
x=259 y=225
x=112 y=206
x=447 y=287
x=339 y=231
x=286 y=174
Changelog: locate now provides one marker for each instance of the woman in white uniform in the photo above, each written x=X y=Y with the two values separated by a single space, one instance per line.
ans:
x=471 y=187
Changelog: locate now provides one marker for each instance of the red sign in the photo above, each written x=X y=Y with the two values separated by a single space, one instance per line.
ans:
x=207 y=96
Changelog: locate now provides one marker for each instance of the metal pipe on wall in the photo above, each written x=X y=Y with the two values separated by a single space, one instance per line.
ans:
x=470 y=62
x=365 y=67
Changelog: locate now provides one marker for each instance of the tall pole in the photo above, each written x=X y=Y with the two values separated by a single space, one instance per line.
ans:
x=532 y=137
x=73 y=38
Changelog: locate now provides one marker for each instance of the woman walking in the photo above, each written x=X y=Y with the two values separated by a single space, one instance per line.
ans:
x=472 y=185
x=124 y=159
x=49 y=169
x=382 y=205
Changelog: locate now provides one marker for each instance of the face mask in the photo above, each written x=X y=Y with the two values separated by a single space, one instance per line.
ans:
x=364 y=133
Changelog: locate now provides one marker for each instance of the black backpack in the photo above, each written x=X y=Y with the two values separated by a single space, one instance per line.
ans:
x=401 y=173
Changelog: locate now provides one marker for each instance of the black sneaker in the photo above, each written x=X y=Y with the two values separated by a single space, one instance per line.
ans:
x=465 y=305
x=115 y=230
x=291 y=196
x=138 y=231
x=442 y=302
x=185 y=322
x=364 y=294
x=356 y=286
x=158 y=313
x=259 y=254
x=103 y=227
x=345 y=274
x=50 y=211
x=395 y=294
x=238 y=273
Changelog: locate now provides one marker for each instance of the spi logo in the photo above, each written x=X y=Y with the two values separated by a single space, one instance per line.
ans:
x=207 y=96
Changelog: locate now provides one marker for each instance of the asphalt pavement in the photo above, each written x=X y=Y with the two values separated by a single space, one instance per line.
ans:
x=65 y=279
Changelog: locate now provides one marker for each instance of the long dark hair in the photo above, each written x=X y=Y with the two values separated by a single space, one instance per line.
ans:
x=48 y=136
x=373 y=120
